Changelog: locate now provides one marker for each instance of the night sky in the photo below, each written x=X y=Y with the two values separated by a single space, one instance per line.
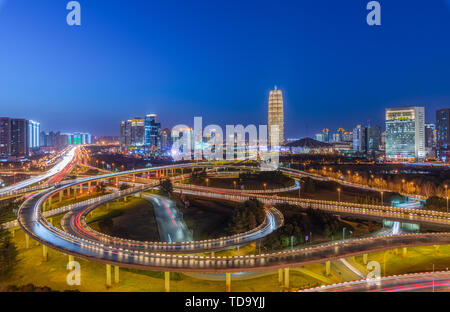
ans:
x=219 y=59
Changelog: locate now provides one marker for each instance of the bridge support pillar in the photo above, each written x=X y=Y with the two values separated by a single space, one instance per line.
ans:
x=436 y=248
x=27 y=241
x=75 y=192
x=116 y=274
x=50 y=220
x=286 y=277
x=280 y=276
x=328 y=268
x=228 y=281
x=405 y=252
x=89 y=186
x=108 y=275
x=50 y=203
x=117 y=181
x=60 y=196
x=71 y=258
x=167 y=281
x=13 y=233
x=365 y=258
x=44 y=253
x=212 y=253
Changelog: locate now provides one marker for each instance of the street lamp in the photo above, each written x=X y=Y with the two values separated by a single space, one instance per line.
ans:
x=265 y=186
x=339 y=194
x=207 y=182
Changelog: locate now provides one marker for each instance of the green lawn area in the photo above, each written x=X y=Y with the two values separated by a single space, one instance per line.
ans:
x=31 y=269
x=418 y=259
x=133 y=219
x=208 y=218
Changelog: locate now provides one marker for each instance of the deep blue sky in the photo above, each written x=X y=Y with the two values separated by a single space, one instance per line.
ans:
x=219 y=59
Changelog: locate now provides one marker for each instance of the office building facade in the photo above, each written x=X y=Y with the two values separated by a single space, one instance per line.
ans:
x=405 y=133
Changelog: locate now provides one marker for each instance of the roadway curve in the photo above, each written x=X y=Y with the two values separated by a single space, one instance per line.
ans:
x=74 y=223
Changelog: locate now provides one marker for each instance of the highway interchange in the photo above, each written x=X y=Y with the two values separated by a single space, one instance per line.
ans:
x=78 y=240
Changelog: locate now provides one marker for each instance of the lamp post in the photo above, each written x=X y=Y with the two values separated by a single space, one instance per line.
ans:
x=265 y=186
x=207 y=182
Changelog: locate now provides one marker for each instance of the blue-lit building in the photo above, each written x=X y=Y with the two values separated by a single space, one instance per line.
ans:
x=34 y=129
x=443 y=134
x=152 y=134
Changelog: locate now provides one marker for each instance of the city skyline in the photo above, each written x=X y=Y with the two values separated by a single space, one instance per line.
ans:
x=221 y=74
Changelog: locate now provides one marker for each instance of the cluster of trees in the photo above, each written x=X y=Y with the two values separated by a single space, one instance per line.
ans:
x=436 y=203
x=100 y=188
x=246 y=216
x=7 y=210
x=124 y=186
x=402 y=179
x=8 y=254
x=301 y=223
x=198 y=177
x=165 y=187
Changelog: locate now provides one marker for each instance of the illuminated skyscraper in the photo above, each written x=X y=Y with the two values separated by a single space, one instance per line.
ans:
x=276 y=114
x=152 y=134
x=34 y=129
x=405 y=133
x=19 y=137
x=5 y=136
x=443 y=133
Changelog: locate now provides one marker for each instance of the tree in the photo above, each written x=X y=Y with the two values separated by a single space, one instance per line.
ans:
x=124 y=186
x=8 y=253
x=165 y=187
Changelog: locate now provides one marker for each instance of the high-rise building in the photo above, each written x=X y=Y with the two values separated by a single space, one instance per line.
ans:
x=357 y=139
x=19 y=139
x=5 y=136
x=276 y=114
x=372 y=139
x=405 y=133
x=443 y=133
x=326 y=135
x=430 y=135
x=152 y=134
x=34 y=129
x=319 y=137
x=166 y=140
x=137 y=135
